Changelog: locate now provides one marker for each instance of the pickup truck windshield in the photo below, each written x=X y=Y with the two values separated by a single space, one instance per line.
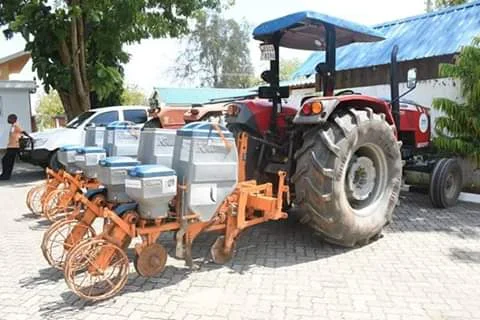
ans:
x=77 y=121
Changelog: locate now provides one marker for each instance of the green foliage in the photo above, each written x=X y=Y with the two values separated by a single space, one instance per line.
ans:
x=217 y=53
x=288 y=67
x=132 y=95
x=459 y=130
x=48 y=107
x=439 y=4
x=448 y=3
x=77 y=45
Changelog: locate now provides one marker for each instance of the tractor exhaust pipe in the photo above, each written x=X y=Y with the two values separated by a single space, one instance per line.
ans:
x=394 y=89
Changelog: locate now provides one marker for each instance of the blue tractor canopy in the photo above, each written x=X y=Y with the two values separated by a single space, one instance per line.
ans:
x=307 y=30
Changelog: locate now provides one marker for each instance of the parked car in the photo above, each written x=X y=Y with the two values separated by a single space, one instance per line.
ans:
x=43 y=149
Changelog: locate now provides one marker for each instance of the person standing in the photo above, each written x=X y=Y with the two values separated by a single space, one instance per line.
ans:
x=13 y=146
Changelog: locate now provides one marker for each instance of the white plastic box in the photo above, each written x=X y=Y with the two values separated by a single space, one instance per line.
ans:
x=112 y=173
x=87 y=159
x=152 y=187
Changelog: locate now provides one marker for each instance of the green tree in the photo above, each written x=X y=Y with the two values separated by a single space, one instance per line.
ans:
x=459 y=129
x=77 y=45
x=288 y=67
x=439 y=4
x=217 y=53
x=48 y=107
x=132 y=95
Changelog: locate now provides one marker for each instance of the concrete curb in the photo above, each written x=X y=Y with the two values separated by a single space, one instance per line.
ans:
x=469 y=197
x=464 y=196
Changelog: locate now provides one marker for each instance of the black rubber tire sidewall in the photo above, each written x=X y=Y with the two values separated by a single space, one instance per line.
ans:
x=323 y=199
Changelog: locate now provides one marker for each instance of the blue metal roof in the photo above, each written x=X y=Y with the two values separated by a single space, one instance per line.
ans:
x=305 y=30
x=188 y=96
x=439 y=33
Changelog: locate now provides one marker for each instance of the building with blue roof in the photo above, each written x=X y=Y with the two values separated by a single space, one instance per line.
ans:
x=424 y=41
x=186 y=97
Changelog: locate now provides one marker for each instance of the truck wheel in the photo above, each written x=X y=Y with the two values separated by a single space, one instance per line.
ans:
x=53 y=162
x=348 y=177
x=446 y=183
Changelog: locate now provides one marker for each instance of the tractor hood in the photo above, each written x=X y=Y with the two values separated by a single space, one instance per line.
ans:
x=306 y=31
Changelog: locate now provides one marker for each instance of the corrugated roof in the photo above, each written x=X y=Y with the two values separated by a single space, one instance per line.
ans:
x=439 y=33
x=188 y=96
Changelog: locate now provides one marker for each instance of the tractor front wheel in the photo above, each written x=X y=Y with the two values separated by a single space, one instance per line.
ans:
x=446 y=183
x=348 y=177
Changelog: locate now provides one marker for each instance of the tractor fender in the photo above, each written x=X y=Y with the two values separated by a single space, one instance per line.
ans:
x=332 y=104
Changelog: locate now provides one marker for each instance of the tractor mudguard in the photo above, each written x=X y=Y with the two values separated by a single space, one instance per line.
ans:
x=331 y=104
x=93 y=192
x=123 y=208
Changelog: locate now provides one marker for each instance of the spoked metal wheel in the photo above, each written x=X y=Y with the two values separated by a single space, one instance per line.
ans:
x=96 y=269
x=61 y=237
x=34 y=199
x=58 y=204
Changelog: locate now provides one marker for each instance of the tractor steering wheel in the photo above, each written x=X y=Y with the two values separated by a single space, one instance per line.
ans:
x=345 y=92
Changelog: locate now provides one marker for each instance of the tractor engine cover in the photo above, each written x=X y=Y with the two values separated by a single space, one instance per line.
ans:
x=206 y=161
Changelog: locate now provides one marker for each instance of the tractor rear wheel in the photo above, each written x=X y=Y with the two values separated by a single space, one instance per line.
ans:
x=348 y=177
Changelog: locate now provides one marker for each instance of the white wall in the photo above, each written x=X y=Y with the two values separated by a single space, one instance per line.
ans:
x=423 y=94
x=14 y=100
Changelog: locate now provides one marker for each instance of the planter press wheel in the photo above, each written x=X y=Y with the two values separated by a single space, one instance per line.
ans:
x=219 y=255
x=87 y=279
x=55 y=245
x=34 y=199
x=151 y=260
x=53 y=209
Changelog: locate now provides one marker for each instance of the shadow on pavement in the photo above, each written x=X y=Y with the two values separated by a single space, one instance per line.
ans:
x=286 y=243
x=416 y=214
x=71 y=303
x=23 y=176
x=47 y=275
x=467 y=256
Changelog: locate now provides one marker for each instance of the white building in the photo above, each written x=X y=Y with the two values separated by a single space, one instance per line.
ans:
x=14 y=95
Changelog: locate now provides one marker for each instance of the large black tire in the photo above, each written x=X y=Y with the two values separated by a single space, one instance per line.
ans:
x=53 y=162
x=348 y=177
x=446 y=182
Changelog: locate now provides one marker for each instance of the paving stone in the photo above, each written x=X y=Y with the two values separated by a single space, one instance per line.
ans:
x=427 y=266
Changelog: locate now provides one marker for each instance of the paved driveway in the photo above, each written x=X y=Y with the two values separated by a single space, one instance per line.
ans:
x=427 y=266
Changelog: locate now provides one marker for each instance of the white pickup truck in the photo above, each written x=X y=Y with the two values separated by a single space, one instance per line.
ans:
x=43 y=152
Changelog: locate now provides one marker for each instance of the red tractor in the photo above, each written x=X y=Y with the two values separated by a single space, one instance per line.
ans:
x=342 y=152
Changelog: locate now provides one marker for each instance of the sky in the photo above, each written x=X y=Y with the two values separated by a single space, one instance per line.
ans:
x=151 y=61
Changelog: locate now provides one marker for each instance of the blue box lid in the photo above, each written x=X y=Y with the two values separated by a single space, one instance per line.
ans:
x=84 y=150
x=119 y=162
x=70 y=147
x=150 y=171
x=203 y=129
